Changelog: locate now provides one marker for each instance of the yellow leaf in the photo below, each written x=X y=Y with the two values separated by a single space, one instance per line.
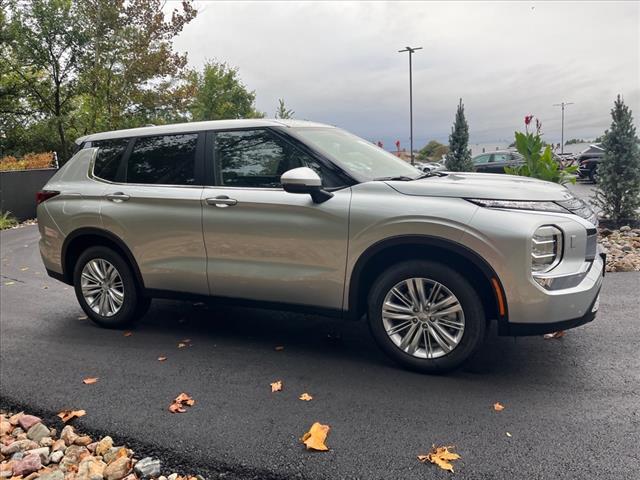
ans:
x=440 y=456
x=314 y=439
x=66 y=415
x=162 y=359
x=9 y=283
x=82 y=317
x=498 y=407
x=306 y=397
x=558 y=334
x=276 y=386
x=90 y=380
x=509 y=435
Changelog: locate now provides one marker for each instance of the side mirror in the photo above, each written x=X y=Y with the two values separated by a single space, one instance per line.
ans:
x=305 y=180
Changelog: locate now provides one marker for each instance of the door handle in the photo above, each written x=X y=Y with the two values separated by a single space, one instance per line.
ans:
x=221 y=201
x=118 y=197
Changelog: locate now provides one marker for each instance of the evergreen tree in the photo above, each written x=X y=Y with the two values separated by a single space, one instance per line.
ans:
x=618 y=193
x=283 y=112
x=459 y=156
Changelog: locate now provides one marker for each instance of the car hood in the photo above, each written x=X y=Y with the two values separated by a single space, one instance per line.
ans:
x=483 y=185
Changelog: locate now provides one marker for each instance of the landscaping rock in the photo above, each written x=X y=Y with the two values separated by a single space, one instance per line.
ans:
x=5 y=427
x=18 y=446
x=104 y=446
x=55 y=457
x=147 y=468
x=68 y=435
x=29 y=464
x=42 y=452
x=58 y=445
x=117 y=469
x=54 y=475
x=91 y=468
x=37 y=432
x=28 y=421
x=13 y=420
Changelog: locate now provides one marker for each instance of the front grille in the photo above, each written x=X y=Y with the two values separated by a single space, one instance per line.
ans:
x=581 y=208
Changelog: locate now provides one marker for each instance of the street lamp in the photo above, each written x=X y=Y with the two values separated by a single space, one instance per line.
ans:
x=411 y=51
x=562 y=105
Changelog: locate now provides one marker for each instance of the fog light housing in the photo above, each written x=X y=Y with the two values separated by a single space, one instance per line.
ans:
x=546 y=249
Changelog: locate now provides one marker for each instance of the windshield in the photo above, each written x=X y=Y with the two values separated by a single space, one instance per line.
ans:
x=355 y=155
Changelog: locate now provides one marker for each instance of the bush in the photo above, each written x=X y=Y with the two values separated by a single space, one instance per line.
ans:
x=31 y=161
x=7 y=221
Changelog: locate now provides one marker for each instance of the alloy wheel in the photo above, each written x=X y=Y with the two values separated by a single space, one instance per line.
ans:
x=423 y=318
x=102 y=287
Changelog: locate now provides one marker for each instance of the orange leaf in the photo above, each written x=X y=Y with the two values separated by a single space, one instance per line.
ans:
x=498 y=407
x=279 y=348
x=314 y=439
x=162 y=359
x=176 y=408
x=276 y=386
x=440 y=456
x=558 y=334
x=181 y=400
x=66 y=415
x=306 y=397
x=127 y=334
x=90 y=380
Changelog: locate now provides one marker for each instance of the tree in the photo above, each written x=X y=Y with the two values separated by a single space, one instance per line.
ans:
x=433 y=150
x=221 y=94
x=459 y=156
x=618 y=192
x=283 y=112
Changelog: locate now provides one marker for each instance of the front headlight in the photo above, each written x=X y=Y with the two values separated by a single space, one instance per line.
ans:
x=546 y=249
x=520 y=205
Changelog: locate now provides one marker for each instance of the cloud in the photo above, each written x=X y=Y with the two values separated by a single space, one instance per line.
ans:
x=337 y=62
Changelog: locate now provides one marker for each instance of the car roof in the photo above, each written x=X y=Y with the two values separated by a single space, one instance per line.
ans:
x=197 y=127
x=495 y=151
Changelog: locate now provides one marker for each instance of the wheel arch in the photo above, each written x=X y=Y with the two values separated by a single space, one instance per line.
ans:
x=373 y=261
x=81 y=239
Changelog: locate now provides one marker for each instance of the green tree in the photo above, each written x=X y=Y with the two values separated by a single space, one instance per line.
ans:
x=282 y=111
x=433 y=150
x=459 y=156
x=618 y=192
x=221 y=94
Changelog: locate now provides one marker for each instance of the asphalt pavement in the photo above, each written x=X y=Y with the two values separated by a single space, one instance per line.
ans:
x=572 y=405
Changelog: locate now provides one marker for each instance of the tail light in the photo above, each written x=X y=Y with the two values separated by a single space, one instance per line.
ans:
x=44 y=195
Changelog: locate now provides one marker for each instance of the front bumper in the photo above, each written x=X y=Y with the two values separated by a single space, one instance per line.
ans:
x=587 y=294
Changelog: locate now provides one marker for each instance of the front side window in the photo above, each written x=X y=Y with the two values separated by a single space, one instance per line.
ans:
x=108 y=157
x=500 y=157
x=481 y=159
x=163 y=160
x=257 y=159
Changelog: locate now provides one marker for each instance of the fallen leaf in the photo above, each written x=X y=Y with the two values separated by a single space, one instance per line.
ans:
x=276 y=386
x=306 y=397
x=180 y=402
x=279 y=348
x=162 y=359
x=66 y=415
x=9 y=283
x=440 y=456
x=127 y=334
x=509 y=435
x=182 y=345
x=24 y=269
x=82 y=317
x=558 y=334
x=314 y=439
x=186 y=340
x=90 y=380
x=498 y=407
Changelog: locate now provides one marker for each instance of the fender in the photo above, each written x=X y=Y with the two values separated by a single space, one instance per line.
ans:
x=98 y=232
x=427 y=241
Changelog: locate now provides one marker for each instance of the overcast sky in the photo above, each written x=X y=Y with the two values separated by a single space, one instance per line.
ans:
x=337 y=62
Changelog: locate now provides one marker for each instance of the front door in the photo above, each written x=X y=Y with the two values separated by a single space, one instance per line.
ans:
x=266 y=244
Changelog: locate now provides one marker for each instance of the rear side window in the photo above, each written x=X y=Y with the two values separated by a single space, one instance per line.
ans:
x=163 y=159
x=108 y=158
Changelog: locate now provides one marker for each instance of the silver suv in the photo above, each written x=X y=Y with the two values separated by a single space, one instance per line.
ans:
x=299 y=215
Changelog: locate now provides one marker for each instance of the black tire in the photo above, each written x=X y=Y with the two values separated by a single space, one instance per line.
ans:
x=133 y=305
x=593 y=174
x=474 y=315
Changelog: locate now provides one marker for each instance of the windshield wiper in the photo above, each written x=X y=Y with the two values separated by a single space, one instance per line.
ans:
x=402 y=178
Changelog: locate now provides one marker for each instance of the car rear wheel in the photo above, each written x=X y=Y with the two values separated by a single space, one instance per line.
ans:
x=106 y=288
x=593 y=175
x=426 y=316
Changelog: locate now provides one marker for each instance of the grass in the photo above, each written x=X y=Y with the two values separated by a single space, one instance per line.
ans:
x=7 y=221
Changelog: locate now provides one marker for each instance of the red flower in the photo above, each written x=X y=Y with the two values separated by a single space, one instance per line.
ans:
x=527 y=119
x=398 y=144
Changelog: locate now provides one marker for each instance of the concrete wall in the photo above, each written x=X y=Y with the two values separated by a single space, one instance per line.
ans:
x=18 y=191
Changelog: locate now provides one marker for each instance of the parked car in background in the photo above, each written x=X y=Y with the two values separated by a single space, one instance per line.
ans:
x=588 y=161
x=430 y=167
x=300 y=215
x=494 y=162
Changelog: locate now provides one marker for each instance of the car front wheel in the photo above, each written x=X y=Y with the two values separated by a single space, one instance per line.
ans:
x=106 y=288
x=426 y=316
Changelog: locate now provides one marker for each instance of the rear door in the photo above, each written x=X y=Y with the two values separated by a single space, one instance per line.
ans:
x=498 y=162
x=266 y=244
x=481 y=163
x=153 y=205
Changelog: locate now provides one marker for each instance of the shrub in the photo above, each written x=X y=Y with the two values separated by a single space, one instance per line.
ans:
x=31 y=161
x=7 y=221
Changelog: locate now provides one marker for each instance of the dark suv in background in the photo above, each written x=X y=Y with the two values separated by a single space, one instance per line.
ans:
x=494 y=162
x=588 y=161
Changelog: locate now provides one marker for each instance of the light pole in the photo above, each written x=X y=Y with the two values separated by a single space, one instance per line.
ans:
x=411 y=52
x=562 y=105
